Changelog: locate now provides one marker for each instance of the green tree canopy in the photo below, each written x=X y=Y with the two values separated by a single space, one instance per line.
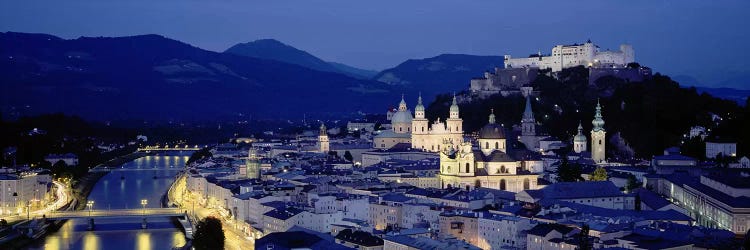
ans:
x=209 y=234
x=600 y=174
x=568 y=172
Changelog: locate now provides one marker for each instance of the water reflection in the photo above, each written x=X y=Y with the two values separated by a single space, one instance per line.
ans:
x=136 y=182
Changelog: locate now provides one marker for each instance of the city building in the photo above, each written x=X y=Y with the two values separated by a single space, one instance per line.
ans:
x=719 y=199
x=19 y=193
x=723 y=147
x=602 y=194
x=497 y=231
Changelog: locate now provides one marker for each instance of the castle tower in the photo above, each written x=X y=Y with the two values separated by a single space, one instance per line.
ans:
x=252 y=164
x=580 y=140
x=323 y=143
x=598 y=133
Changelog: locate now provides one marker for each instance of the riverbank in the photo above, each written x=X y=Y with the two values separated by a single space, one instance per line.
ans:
x=122 y=159
x=82 y=188
x=80 y=191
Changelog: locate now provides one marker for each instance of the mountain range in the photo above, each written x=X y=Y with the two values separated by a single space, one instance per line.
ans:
x=275 y=50
x=156 y=78
x=440 y=74
x=153 y=77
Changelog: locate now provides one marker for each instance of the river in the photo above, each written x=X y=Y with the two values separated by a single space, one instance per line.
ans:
x=148 y=178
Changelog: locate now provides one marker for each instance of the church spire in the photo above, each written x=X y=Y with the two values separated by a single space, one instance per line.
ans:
x=323 y=130
x=454 y=108
x=580 y=137
x=492 y=116
x=419 y=103
x=528 y=115
x=598 y=122
x=402 y=104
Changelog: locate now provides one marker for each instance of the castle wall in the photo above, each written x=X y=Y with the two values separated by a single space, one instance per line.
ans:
x=566 y=56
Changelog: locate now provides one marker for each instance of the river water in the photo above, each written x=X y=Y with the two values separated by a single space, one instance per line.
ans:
x=149 y=178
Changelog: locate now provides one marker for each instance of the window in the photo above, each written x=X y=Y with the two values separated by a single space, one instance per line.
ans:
x=486 y=145
x=467 y=167
x=497 y=145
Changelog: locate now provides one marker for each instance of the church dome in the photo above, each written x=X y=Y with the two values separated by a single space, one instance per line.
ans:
x=579 y=137
x=401 y=117
x=492 y=131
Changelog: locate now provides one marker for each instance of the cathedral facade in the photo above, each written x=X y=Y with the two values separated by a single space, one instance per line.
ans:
x=418 y=132
x=489 y=166
x=432 y=137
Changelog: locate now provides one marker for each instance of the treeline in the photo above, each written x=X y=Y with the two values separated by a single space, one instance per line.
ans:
x=642 y=118
x=58 y=134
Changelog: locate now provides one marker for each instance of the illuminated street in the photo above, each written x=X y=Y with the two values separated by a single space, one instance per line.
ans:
x=234 y=238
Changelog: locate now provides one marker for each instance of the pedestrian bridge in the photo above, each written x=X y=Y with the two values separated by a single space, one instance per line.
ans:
x=117 y=213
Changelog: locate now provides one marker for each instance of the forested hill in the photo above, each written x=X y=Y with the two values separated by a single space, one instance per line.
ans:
x=649 y=116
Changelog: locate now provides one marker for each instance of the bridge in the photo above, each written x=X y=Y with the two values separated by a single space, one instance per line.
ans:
x=168 y=148
x=117 y=213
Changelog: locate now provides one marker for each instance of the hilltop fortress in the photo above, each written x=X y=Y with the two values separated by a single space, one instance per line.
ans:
x=567 y=56
x=519 y=72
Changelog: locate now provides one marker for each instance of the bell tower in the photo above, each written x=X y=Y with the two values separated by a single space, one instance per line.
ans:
x=598 y=135
x=323 y=143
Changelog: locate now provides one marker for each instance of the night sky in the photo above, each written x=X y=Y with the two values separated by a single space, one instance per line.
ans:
x=705 y=40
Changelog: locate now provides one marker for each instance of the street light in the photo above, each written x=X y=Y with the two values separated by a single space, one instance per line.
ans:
x=144 y=202
x=90 y=205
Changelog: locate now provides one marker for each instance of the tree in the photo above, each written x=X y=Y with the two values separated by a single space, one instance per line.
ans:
x=348 y=156
x=199 y=155
x=583 y=238
x=637 y=202
x=632 y=183
x=333 y=154
x=600 y=174
x=209 y=234
x=568 y=172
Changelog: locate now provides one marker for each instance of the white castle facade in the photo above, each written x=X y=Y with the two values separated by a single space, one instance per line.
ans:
x=566 y=56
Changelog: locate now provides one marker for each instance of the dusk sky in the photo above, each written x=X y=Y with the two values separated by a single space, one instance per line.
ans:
x=701 y=39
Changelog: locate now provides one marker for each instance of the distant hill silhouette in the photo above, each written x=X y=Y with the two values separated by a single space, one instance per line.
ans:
x=153 y=77
x=275 y=50
x=440 y=74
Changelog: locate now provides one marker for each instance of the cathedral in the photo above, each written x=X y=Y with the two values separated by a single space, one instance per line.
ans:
x=489 y=166
x=430 y=137
x=418 y=132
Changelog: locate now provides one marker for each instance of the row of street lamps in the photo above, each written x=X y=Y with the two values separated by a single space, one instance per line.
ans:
x=90 y=205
